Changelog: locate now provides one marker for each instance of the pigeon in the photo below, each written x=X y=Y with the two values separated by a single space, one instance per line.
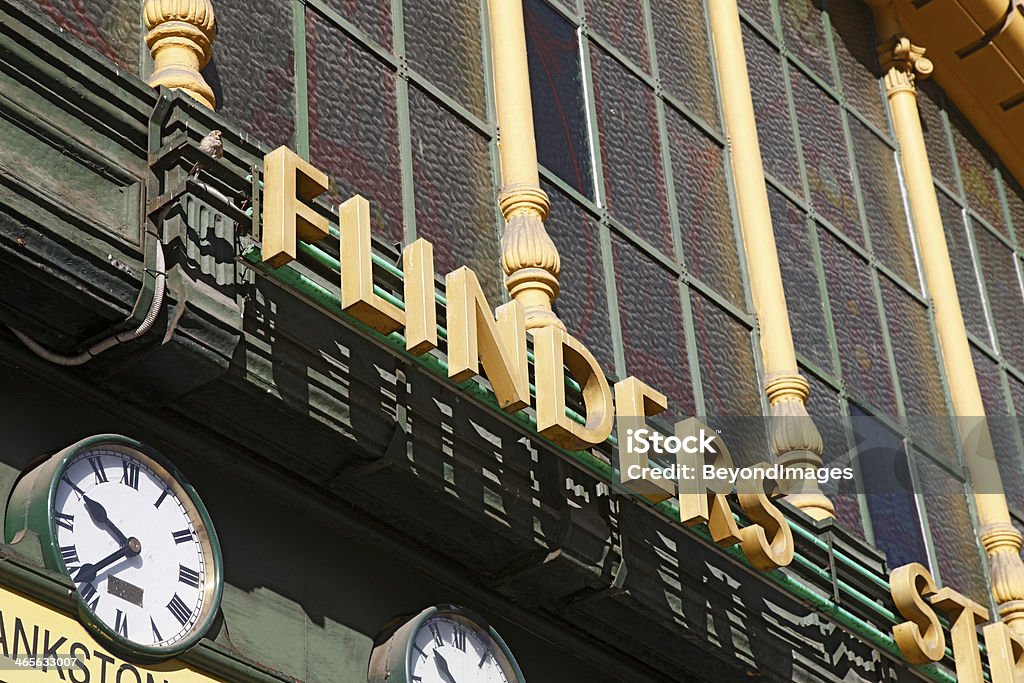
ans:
x=212 y=146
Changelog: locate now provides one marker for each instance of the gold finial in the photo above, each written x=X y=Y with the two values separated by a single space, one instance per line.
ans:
x=181 y=34
x=903 y=63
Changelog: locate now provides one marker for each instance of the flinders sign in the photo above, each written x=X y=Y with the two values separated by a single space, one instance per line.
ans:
x=494 y=342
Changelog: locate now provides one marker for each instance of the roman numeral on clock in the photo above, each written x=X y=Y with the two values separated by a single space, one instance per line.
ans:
x=156 y=633
x=179 y=609
x=161 y=498
x=88 y=592
x=69 y=554
x=64 y=520
x=121 y=624
x=67 y=480
x=130 y=474
x=189 y=577
x=183 y=536
x=436 y=632
x=459 y=636
x=97 y=469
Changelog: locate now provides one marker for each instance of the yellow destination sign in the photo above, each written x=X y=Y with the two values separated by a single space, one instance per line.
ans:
x=38 y=643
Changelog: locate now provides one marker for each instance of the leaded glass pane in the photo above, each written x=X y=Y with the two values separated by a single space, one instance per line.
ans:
x=892 y=506
x=825 y=409
x=702 y=200
x=886 y=214
x=1013 y=457
x=931 y=102
x=829 y=171
x=372 y=16
x=858 y=327
x=254 y=80
x=771 y=108
x=1004 y=432
x=353 y=123
x=804 y=34
x=631 y=151
x=581 y=304
x=761 y=12
x=924 y=401
x=442 y=40
x=651 y=317
x=621 y=22
x=998 y=265
x=1015 y=203
x=455 y=206
x=953 y=534
x=113 y=27
x=684 y=56
x=729 y=380
x=963 y=266
x=977 y=173
x=800 y=280
x=559 y=105
x=853 y=33
x=728 y=377
x=883 y=203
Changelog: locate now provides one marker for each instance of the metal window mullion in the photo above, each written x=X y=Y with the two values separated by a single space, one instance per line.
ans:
x=300 y=135
x=492 y=141
x=404 y=123
x=922 y=510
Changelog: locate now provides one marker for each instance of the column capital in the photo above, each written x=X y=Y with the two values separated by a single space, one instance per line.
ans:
x=902 y=63
x=180 y=38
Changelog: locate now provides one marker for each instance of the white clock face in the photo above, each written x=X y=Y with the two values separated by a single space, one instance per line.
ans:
x=134 y=545
x=449 y=648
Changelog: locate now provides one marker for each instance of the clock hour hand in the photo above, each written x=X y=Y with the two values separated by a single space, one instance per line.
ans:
x=99 y=515
x=87 y=572
x=442 y=667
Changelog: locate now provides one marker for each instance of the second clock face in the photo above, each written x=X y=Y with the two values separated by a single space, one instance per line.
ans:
x=449 y=647
x=135 y=546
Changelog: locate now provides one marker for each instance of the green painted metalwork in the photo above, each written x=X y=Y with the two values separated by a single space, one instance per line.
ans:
x=331 y=303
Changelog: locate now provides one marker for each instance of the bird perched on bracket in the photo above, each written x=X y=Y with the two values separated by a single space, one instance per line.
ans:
x=212 y=146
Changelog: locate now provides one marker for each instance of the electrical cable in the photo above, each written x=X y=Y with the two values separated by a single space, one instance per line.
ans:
x=115 y=339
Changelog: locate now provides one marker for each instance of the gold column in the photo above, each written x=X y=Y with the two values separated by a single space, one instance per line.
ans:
x=795 y=440
x=528 y=257
x=902 y=63
x=181 y=34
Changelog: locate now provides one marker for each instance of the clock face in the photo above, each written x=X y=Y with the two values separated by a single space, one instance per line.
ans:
x=451 y=647
x=136 y=546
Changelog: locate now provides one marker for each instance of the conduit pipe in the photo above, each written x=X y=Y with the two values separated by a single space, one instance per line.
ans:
x=119 y=337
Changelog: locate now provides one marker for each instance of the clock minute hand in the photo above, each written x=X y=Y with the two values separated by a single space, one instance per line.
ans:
x=87 y=572
x=99 y=515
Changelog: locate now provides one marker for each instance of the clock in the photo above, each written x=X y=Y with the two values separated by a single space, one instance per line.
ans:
x=443 y=644
x=121 y=522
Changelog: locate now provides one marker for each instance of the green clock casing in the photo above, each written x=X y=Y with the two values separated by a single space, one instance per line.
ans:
x=120 y=521
x=443 y=644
